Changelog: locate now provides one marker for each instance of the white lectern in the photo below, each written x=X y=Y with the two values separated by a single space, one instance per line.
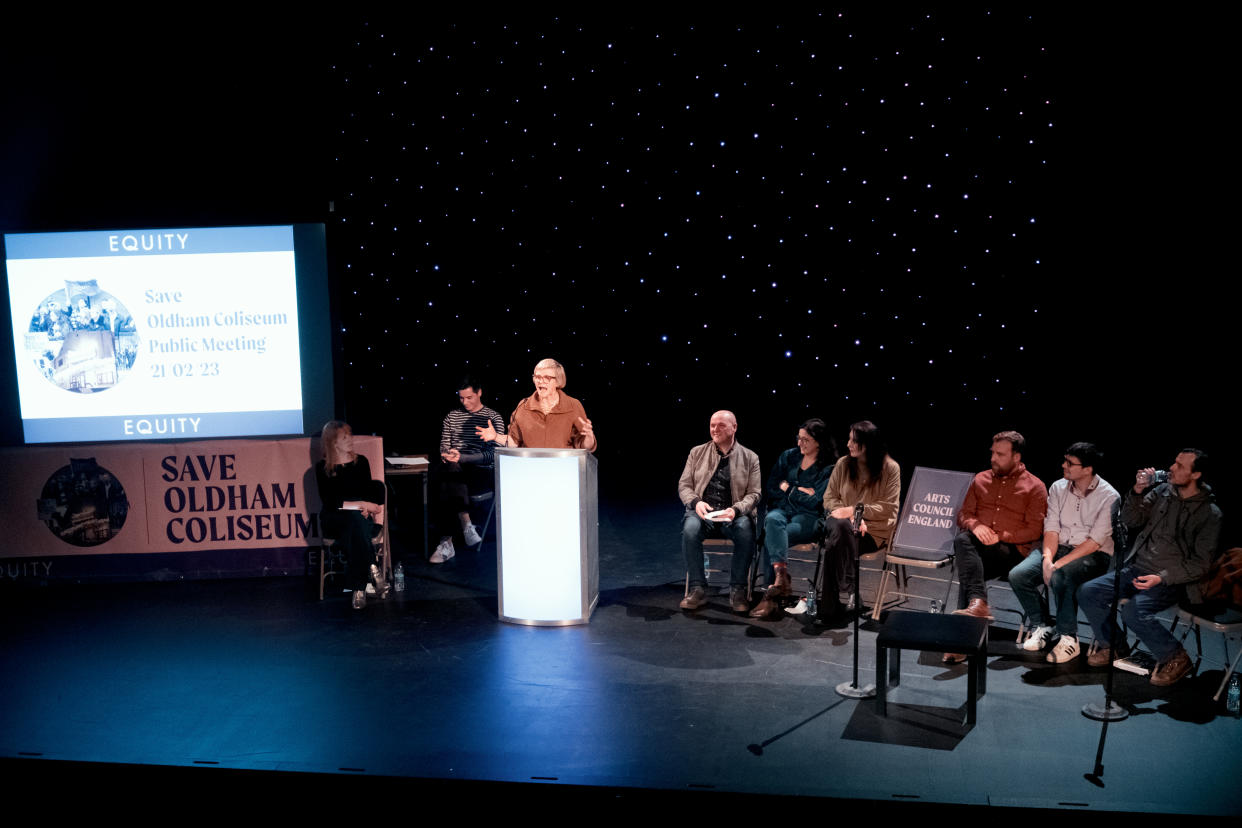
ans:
x=547 y=528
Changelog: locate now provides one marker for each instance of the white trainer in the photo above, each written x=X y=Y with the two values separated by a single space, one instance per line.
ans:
x=444 y=551
x=1037 y=639
x=471 y=535
x=1066 y=650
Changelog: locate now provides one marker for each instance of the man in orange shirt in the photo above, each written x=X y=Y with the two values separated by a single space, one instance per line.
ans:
x=1002 y=518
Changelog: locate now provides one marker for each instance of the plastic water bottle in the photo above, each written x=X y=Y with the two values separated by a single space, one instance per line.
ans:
x=935 y=606
x=399 y=577
x=810 y=601
x=1232 y=701
x=706 y=563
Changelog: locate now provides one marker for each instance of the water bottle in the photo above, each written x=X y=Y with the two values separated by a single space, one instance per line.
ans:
x=706 y=564
x=399 y=577
x=935 y=606
x=810 y=601
x=1232 y=702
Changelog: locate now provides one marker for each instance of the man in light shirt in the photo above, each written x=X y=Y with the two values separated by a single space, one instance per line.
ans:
x=1077 y=545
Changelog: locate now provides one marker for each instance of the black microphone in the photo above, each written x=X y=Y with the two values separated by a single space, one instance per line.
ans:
x=857 y=521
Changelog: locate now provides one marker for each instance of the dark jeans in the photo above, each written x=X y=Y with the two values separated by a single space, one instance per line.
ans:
x=1139 y=613
x=841 y=546
x=351 y=533
x=1028 y=576
x=741 y=530
x=457 y=482
x=976 y=562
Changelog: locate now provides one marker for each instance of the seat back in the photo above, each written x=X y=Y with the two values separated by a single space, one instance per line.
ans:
x=927 y=522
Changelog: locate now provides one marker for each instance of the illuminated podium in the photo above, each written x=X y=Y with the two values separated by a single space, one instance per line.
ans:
x=547 y=528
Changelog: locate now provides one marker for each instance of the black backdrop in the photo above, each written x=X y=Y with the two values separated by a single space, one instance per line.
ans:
x=950 y=222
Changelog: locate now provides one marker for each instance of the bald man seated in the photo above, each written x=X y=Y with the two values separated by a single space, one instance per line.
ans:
x=720 y=489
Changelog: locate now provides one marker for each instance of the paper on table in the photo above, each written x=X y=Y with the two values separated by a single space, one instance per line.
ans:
x=407 y=461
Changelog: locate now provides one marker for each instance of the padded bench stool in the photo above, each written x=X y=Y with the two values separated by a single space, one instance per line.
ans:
x=931 y=632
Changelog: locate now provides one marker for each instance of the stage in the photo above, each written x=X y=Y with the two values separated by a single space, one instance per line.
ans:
x=203 y=684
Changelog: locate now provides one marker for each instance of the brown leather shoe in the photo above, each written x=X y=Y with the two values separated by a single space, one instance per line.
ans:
x=696 y=599
x=737 y=599
x=978 y=608
x=1099 y=657
x=782 y=585
x=769 y=607
x=1169 y=672
x=953 y=658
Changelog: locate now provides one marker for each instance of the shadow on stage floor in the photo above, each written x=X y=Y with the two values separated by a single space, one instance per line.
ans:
x=240 y=685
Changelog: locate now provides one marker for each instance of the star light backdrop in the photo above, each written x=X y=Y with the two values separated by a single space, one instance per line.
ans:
x=903 y=216
x=822 y=216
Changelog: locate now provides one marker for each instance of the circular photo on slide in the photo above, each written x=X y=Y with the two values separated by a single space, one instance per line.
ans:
x=82 y=339
x=83 y=503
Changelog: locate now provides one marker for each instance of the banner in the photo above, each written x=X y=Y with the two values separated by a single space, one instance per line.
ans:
x=205 y=508
x=929 y=515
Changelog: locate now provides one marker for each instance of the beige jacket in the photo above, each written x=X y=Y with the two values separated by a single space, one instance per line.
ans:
x=743 y=476
x=879 y=497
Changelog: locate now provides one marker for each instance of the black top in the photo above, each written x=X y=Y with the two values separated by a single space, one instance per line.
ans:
x=352 y=481
x=719 y=490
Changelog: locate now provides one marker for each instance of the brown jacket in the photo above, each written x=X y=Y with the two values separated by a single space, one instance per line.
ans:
x=743 y=476
x=529 y=427
x=879 y=497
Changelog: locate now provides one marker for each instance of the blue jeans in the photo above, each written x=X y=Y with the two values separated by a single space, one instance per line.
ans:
x=741 y=530
x=1026 y=578
x=1139 y=613
x=782 y=530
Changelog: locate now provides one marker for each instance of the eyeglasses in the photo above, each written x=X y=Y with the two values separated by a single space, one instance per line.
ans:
x=1069 y=462
x=544 y=377
x=802 y=439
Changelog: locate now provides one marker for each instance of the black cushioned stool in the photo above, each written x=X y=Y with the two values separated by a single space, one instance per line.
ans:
x=931 y=632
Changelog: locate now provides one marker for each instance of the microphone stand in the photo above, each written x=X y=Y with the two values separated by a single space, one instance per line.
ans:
x=851 y=690
x=1110 y=711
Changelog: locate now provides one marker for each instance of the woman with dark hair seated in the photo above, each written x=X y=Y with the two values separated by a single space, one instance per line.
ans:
x=795 y=494
x=867 y=475
x=351 y=501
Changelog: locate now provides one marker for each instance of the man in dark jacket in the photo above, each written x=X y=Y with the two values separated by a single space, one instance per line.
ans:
x=1178 y=528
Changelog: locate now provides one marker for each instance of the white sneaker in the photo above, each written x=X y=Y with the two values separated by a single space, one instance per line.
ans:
x=471 y=535
x=444 y=551
x=1037 y=639
x=1066 y=650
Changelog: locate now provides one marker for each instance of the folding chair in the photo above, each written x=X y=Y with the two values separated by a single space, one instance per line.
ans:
x=1227 y=622
x=926 y=527
x=332 y=562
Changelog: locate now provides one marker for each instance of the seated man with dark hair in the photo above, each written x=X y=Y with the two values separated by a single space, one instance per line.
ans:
x=1078 y=540
x=467 y=465
x=1178 y=529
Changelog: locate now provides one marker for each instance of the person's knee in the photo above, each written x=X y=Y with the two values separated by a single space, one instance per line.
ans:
x=692 y=528
x=1024 y=575
x=1133 y=612
x=1090 y=592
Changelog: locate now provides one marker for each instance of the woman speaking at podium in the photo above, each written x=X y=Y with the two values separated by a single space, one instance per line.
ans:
x=549 y=418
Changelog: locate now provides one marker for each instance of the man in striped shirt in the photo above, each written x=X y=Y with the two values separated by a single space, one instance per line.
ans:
x=467 y=465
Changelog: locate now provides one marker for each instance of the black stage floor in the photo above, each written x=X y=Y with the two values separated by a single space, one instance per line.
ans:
x=256 y=680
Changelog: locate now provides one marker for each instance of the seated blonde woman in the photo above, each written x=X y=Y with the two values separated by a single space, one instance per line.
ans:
x=351 y=500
